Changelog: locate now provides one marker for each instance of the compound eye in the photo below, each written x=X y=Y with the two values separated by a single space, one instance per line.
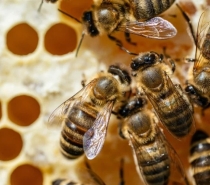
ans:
x=135 y=65
x=124 y=112
x=150 y=58
x=190 y=89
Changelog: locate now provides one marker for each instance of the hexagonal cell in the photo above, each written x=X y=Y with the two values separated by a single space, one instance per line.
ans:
x=22 y=39
x=60 y=39
x=10 y=144
x=23 y=110
x=26 y=174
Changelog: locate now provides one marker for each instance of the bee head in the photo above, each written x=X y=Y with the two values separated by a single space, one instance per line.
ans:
x=131 y=107
x=144 y=60
x=89 y=24
x=123 y=75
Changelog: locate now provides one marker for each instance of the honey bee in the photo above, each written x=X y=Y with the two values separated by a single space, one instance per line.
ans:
x=96 y=179
x=199 y=86
x=40 y=6
x=200 y=157
x=130 y=17
x=85 y=115
x=155 y=159
x=169 y=101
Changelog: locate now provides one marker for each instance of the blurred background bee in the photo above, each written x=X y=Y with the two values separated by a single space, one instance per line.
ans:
x=156 y=161
x=200 y=158
x=171 y=105
x=130 y=17
x=199 y=86
x=93 y=177
x=85 y=115
x=42 y=1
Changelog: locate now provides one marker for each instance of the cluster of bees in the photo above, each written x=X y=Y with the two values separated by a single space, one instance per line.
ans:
x=85 y=116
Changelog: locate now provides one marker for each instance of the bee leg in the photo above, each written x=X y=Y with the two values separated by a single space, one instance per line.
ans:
x=122 y=181
x=40 y=5
x=83 y=82
x=189 y=24
x=118 y=42
x=173 y=65
x=120 y=132
x=128 y=38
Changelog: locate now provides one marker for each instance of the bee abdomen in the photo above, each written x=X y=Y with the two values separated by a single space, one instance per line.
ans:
x=157 y=174
x=157 y=170
x=71 y=147
x=202 y=178
x=200 y=158
x=179 y=123
x=146 y=9
x=200 y=147
x=80 y=119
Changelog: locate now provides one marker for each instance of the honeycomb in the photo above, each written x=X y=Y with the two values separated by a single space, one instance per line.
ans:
x=39 y=71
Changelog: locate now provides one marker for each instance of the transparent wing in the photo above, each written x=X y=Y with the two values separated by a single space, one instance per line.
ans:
x=177 y=170
x=175 y=104
x=151 y=154
x=61 y=112
x=203 y=31
x=156 y=28
x=94 y=138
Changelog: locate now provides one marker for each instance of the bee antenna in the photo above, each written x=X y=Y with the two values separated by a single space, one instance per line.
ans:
x=68 y=15
x=80 y=42
x=40 y=6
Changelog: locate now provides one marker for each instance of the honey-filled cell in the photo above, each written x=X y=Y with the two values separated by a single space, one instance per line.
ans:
x=23 y=110
x=10 y=144
x=60 y=39
x=22 y=39
x=26 y=174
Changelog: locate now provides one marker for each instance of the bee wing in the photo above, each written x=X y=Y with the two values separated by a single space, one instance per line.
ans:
x=94 y=138
x=135 y=146
x=141 y=150
x=176 y=101
x=61 y=112
x=177 y=171
x=156 y=28
x=202 y=31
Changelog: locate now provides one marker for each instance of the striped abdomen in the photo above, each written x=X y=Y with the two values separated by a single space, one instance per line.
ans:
x=80 y=118
x=200 y=158
x=175 y=113
x=155 y=163
x=146 y=9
